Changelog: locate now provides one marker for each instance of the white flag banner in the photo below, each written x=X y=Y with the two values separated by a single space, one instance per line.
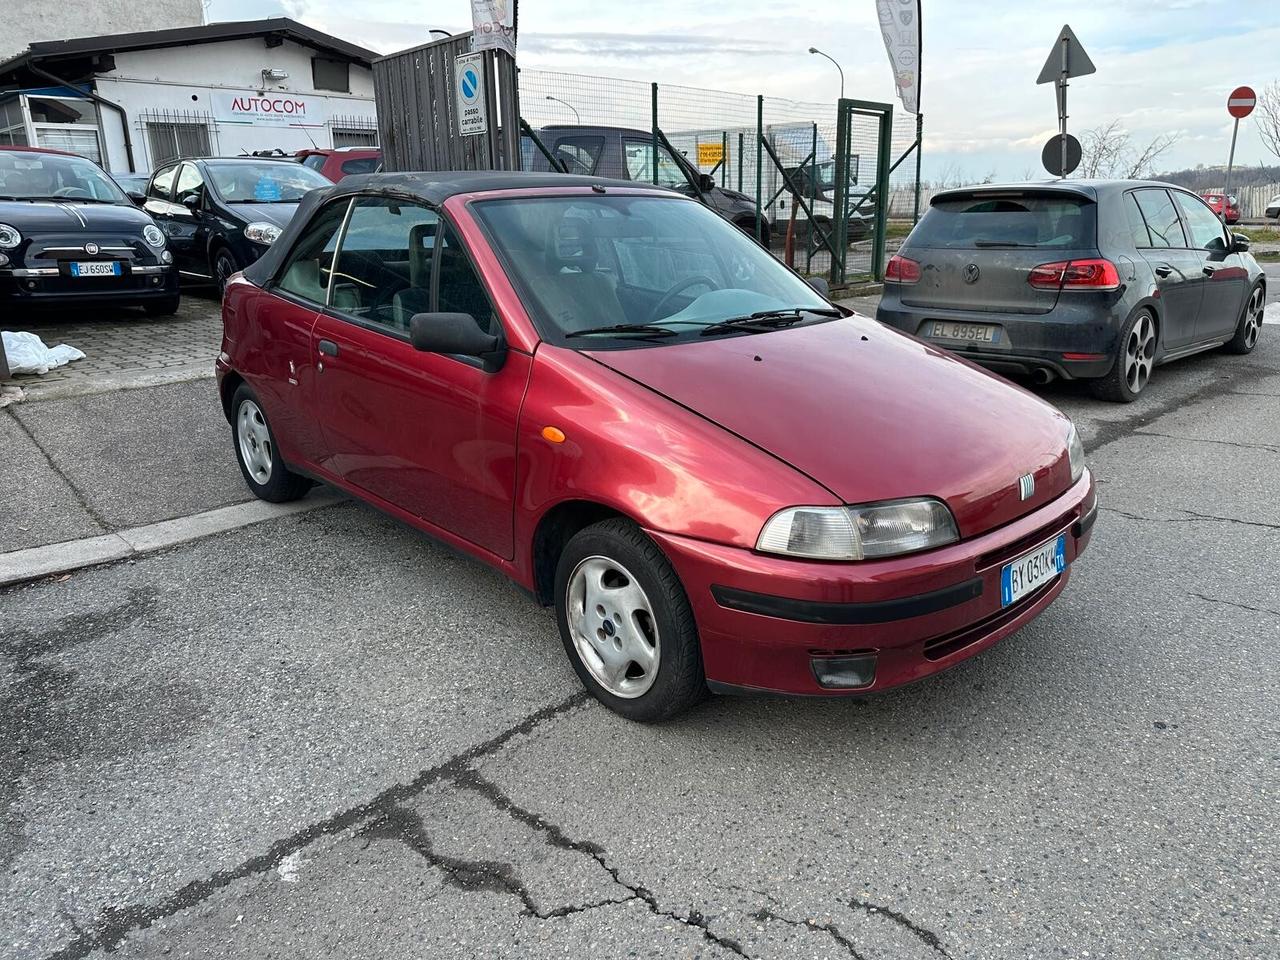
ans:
x=494 y=25
x=900 y=25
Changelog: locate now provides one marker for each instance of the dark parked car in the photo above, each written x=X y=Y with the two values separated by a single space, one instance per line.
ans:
x=69 y=235
x=221 y=214
x=625 y=154
x=1100 y=280
x=602 y=389
x=134 y=185
x=341 y=161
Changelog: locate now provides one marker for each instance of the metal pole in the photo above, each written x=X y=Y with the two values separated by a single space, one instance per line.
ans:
x=724 y=153
x=813 y=200
x=915 y=215
x=742 y=140
x=1231 y=159
x=1062 y=106
x=654 y=155
x=759 y=159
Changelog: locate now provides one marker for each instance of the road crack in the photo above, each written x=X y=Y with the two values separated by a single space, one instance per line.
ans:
x=829 y=928
x=923 y=934
x=1273 y=448
x=1192 y=517
x=1233 y=603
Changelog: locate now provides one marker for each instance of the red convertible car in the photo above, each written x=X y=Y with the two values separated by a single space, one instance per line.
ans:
x=717 y=478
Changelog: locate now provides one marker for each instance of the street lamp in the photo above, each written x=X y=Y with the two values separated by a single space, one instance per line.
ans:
x=438 y=30
x=569 y=105
x=833 y=60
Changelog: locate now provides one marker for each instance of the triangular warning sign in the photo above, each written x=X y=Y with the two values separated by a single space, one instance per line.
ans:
x=1076 y=64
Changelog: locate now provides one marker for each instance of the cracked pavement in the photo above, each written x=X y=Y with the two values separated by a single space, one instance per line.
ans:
x=326 y=736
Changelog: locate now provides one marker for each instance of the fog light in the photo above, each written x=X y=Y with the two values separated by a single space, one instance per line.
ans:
x=166 y=257
x=844 y=673
x=4 y=261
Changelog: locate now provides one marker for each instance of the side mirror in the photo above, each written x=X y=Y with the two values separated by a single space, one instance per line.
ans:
x=820 y=284
x=139 y=199
x=706 y=182
x=457 y=334
x=1239 y=243
x=191 y=201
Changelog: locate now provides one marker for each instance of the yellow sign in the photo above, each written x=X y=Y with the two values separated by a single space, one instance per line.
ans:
x=709 y=154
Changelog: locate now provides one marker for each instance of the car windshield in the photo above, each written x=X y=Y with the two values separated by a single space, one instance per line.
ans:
x=49 y=176
x=270 y=181
x=1014 y=221
x=641 y=269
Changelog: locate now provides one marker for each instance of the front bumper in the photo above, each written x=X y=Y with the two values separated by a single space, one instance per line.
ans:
x=1074 y=341
x=53 y=285
x=762 y=619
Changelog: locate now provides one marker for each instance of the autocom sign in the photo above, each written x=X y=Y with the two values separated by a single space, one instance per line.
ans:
x=277 y=108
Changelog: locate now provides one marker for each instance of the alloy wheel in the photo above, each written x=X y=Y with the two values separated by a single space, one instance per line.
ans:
x=1253 y=317
x=1139 y=354
x=255 y=441
x=223 y=269
x=613 y=627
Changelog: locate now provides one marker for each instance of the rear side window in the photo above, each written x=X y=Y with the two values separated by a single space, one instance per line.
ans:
x=162 y=183
x=314 y=160
x=361 y=165
x=1161 y=217
x=580 y=155
x=1137 y=226
x=1049 y=221
x=307 y=269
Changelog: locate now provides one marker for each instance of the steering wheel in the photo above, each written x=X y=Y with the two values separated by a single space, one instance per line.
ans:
x=680 y=287
x=72 y=192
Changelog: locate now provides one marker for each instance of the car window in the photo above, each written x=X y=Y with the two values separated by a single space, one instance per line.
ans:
x=1137 y=226
x=580 y=155
x=190 y=183
x=1027 y=220
x=383 y=274
x=459 y=288
x=306 y=269
x=266 y=181
x=639 y=157
x=162 y=183
x=1202 y=223
x=314 y=160
x=360 y=165
x=1161 y=217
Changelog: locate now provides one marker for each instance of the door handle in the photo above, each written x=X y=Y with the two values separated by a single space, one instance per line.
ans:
x=328 y=348
x=1163 y=270
x=1210 y=270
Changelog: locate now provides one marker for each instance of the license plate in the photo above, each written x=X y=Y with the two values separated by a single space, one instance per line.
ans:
x=1032 y=570
x=96 y=268
x=969 y=332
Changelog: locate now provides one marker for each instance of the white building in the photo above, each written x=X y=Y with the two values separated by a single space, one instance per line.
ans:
x=133 y=101
x=29 y=21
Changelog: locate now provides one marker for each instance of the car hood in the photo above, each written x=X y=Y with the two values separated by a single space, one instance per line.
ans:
x=59 y=216
x=278 y=213
x=870 y=414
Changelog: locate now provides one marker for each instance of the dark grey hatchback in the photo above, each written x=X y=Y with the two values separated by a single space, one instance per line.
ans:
x=1085 y=279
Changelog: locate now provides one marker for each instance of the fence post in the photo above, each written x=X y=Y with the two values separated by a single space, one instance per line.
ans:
x=839 y=208
x=742 y=140
x=883 y=156
x=759 y=160
x=813 y=201
x=724 y=152
x=915 y=216
x=654 y=155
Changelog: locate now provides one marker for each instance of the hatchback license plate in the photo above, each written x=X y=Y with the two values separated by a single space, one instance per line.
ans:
x=1033 y=570
x=969 y=332
x=96 y=268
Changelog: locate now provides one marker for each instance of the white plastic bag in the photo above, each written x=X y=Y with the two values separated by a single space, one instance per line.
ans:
x=27 y=354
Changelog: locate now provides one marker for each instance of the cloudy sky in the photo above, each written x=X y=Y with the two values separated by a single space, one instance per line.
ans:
x=1164 y=66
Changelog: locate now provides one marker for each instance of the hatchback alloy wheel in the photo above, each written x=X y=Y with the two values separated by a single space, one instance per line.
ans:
x=1253 y=317
x=255 y=441
x=613 y=627
x=1139 y=353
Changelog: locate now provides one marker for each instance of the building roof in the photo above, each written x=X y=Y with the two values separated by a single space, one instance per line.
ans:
x=281 y=28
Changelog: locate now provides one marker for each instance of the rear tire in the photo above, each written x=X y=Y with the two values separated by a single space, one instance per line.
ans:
x=626 y=623
x=260 y=462
x=1249 y=328
x=1134 y=362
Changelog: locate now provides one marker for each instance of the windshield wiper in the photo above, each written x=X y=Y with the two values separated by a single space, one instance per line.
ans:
x=623 y=329
x=763 y=320
x=1003 y=243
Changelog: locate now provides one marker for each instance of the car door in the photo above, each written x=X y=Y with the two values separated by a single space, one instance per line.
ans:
x=432 y=435
x=1226 y=280
x=159 y=199
x=189 y=229
x=1177 y=268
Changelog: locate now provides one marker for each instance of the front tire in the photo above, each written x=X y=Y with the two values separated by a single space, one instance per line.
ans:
x=1135 y=359
x=223 y=267
x=1249 y=327
x=260 y=462
x=626 y=623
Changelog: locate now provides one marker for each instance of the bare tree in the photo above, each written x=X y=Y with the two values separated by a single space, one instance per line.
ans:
x=1108 y=151
x=1267 y=116
x=1141 y=162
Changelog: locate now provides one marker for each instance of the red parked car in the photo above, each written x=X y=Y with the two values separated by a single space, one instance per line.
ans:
x=625 y=404
x=341 y=161
x=1216 y=201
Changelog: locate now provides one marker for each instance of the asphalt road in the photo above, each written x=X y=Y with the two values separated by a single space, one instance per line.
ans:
x=326 y=736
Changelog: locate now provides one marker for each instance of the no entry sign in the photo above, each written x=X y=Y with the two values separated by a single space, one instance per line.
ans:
x=1241 y=102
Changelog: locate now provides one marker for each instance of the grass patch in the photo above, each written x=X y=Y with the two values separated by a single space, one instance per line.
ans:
x=1267 y=256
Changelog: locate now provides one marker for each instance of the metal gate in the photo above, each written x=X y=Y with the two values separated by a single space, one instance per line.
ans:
x=864 y=133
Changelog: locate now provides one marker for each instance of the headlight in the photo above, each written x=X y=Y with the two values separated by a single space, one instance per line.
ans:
x=153 y=235
x=1075 y=453
x=261 y=232
x=858 y=533
x=9 y=237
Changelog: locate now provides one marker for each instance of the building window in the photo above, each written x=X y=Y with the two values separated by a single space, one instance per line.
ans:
x=169 y=141
x=355 y=138
x=13 y=127
x=331 y=74
x=66 y=123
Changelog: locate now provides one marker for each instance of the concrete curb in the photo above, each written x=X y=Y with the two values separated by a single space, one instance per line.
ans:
x=19 y=566
x=36 y=390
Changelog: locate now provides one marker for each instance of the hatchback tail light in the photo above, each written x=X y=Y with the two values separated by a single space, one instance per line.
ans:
x=1075 y=275
x=901 y=269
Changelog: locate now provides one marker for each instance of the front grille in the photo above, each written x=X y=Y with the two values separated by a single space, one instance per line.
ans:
x=1036 y=537
x=949 y=643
